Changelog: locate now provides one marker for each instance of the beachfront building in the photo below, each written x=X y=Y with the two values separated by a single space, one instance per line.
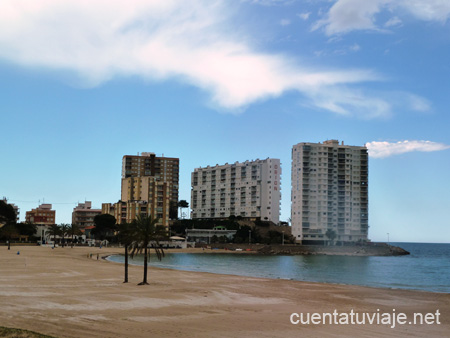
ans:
x=329 y=192
x=250 y=189
x=148 y=167
x=43 y=217
x=156 y=207
x=83 y=215
x=149 y=187
x=220 y=233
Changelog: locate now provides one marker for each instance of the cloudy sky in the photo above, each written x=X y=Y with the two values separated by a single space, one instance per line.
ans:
x=214 y=81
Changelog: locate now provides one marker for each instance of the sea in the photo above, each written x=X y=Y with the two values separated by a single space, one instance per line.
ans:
x=427 y=268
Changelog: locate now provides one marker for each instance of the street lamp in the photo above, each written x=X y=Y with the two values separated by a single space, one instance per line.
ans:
x=388 y=238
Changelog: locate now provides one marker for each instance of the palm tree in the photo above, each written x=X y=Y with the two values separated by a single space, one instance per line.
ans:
x=74 y=230
x=54 y=231
x=64 y=230
x=145 y=232
x=126 y=237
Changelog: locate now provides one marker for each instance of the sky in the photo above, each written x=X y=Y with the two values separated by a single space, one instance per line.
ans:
x=83 y=83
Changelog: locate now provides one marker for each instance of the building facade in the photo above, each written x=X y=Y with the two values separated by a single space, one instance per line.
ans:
x=157 y=206
x=83 y=215
x=161 y=169
x=329 y=192
x=250 y=189
x=149 y=187
x=42 y=215
x=207 y=235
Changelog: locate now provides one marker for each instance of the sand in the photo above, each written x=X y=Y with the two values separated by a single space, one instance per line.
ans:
x=61 y=292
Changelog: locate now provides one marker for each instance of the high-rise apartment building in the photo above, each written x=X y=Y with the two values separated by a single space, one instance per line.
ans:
x=83 y=215
x=250 y=189
x=329 y=192
x=161 y=169
x=149 y=186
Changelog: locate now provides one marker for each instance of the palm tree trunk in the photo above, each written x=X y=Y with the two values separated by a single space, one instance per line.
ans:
x=126 y=264
x=144 y=282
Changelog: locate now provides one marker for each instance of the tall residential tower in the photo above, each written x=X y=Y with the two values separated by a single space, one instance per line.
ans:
x=149 y=187
x=329 y=192
x=250 y=189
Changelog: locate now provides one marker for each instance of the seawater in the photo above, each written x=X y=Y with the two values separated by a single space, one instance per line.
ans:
x=426 y=268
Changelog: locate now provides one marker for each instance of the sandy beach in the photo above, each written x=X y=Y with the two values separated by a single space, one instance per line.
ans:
x=63 y=293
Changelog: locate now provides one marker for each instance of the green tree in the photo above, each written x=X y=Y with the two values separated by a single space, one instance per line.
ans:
x=243 y=234
x=273 y=237
x=331 y=235
x=105 y=225
x=8 y=231
x=7 y=213
x=26 y=229
x=145 y=232
x=126 y=237
x=182 y=204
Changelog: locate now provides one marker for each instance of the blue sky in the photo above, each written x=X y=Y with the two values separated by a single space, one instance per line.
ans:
x=84 y=83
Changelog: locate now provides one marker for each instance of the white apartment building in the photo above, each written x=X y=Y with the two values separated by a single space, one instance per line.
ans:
x=250 y=189
x=329 y=191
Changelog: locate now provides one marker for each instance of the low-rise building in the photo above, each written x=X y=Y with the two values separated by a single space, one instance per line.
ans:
x=83 y=215
x=206 y=235
x=43 y=217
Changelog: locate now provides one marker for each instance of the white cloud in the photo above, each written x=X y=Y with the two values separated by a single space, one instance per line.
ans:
x=271 y=2
x=429 y=10
x=366 y=104
x=386 y=149
x=355 y=47
x=351 y=102
x=285 y=22
x=392 y=22
x=304 y=16
x=349 y=15
x=157 y=40
x=417 y=103
x=193 y=42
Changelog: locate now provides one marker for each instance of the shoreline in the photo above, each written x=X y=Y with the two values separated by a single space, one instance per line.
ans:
x=208 y=252
x=62 y=293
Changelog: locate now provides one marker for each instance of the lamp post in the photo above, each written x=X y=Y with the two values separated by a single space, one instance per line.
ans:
x=388 y=238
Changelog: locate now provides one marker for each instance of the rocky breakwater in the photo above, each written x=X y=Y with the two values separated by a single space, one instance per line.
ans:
x=375 y=249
